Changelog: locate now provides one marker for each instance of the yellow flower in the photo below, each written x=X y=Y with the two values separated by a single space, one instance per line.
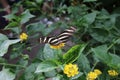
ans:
x=97 y=71
x=112 y=73
x=57 y=46
x=91 y=76
x=71 y=70
x=23 y=36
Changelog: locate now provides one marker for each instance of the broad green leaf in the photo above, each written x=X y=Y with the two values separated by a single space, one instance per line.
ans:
x=50 y=53
x=99 y=34
x=29 y=72
x=34 y=28
x=2 y=38
x=15 y=29
x=112 y=60
x=40 y=54
x=39 y=27
x=48 y=74
x=89 y=0
x=5 y=74
x=73 y=54
x=25 y=16
x=48 y=30
x=9 y=17
x=5 y=45
x=46 y=66
x=90 y=18
x=83 y=63
x=101 y=53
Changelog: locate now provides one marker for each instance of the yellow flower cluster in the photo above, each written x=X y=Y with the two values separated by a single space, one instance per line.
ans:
x=59 y=46
x=112 y=73
x=97 y=71
x=93 y=75
x=23 y=36
x=71 y=70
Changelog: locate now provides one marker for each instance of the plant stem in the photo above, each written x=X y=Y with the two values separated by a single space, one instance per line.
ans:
x=113 y=43
x=14 y=65
x=94 y=66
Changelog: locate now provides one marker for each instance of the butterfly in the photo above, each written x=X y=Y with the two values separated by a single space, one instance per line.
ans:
x=61 y=38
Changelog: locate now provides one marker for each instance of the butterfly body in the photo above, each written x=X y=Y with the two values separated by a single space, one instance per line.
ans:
x=61 y=38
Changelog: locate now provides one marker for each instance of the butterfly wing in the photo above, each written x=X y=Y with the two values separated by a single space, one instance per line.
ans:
x=61 y=38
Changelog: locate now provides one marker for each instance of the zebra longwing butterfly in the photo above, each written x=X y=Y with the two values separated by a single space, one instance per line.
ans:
x=61 y=38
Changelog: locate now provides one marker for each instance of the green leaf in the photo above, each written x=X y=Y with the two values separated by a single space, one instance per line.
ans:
x=101 y=53
x=48 y=74
x=50 y=53
x=48 y=30
x=5 y=45
x=46 y=66
x=9 y=17
x=12 y=24
x=25 y=16
x=99 y=34
x=112 y=60
x=89 y=0
x=29 y=72
x=34 y=28
x=39 y=27
x=2 y=38
x=5 y=74
x=117 y=23
x=15 y=29
x=73 y=53
x=83 y=63
x=90 y=18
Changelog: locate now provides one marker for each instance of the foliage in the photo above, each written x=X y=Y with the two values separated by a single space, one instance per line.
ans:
x=95 y=45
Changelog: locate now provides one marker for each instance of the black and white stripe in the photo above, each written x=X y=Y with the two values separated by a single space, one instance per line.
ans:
x=63 y=37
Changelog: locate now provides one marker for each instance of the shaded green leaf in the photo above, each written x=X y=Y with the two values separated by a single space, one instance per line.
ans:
x=46 y=66
x=117 y=23
x=35 y=27
x=99 y=34
x=29 y=72
x=25 y=16
x=83 y=63
x=112 y=60
x=101 y=53
x=90 y=18
x=48 y=74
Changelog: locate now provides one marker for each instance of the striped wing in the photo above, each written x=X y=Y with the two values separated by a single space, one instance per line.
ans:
x=63 y=37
